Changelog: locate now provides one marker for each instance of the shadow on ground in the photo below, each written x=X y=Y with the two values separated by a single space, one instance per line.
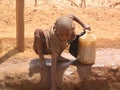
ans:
x=8 y=55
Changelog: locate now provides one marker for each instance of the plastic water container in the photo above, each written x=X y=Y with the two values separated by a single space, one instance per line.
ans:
x=87 y=48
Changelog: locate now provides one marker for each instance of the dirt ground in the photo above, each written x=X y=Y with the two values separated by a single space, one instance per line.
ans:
x=103 y=16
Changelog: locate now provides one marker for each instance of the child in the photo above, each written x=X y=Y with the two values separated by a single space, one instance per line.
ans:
x=55 y=40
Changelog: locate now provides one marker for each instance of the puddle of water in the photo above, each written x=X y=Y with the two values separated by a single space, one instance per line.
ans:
x=108 y=56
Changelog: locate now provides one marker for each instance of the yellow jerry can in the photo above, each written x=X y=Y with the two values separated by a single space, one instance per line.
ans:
x=87 y=48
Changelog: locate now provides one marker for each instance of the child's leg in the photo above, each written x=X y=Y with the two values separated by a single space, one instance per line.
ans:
x=38 y=44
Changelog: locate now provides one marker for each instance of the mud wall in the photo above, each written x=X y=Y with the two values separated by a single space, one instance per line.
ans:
x=70 y=75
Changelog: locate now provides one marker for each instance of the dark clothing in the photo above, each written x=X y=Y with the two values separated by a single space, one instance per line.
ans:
x=74 y=45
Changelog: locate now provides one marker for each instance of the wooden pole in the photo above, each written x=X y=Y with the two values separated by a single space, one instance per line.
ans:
x=20 y=25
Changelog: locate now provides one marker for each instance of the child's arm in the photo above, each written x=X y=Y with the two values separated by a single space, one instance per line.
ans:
x=79 y=21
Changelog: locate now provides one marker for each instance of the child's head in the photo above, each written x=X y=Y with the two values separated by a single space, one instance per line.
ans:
x=64 y=27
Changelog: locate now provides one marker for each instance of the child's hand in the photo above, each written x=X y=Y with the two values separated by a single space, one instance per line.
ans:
x=87 y=27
